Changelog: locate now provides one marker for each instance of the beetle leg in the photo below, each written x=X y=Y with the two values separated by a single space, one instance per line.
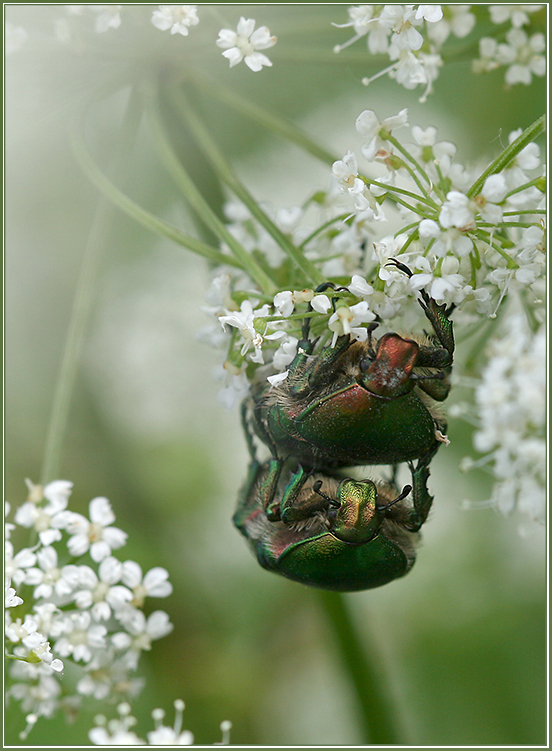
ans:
x=420 y=495
x=291 y=510
x=439 y=317
x=393 y=478
x=267 y=490
x=325 y=363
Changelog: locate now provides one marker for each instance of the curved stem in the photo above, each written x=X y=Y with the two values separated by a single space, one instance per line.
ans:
x=82 y=304
x=132 y=209
x=227 y=175
x=267 y=119
x=509 y=154
x=197 y=201
x=378 y=718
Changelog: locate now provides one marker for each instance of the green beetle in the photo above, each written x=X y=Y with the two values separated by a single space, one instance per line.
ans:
x=360 y=402
x=331 y=532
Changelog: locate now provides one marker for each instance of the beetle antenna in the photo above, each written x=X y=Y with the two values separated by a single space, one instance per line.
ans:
x=332 y=501
x=400 y=266
x=405 y=491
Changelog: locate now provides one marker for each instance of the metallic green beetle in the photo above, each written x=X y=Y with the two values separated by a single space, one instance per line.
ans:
x=331 y=532
x=360 y=403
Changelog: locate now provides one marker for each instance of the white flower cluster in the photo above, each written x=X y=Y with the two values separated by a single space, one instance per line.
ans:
x=118 y=732
x=411 y=36
x=244 y=44
x=83 y=605
x=464 y=242
x=511 y=415
x=523 y=54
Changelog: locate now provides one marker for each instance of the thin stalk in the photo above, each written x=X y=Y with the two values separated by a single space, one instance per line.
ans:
x=401 y=191
x=132 y=209
x=82 y=304
x=263 y=117
x=398 y=145
x=318 y=230
x=226 y=174
x=509 y=154
x=378 y=718
x=197 y=201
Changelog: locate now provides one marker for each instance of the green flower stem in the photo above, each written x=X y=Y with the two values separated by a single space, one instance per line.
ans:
x=521 y=188
x=539 y=212
x=378 y=719
x=509 y=154
x=508 y=224
x=132 y=209
x=412 y=237
x=401 y=191
x=318 y=230
x=197 y=201
x=266 y=119
x=402 y=150
x=82 y=303
x=227 y=175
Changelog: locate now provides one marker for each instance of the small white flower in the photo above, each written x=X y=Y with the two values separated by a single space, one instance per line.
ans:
x=402 y=20
x=517 y=14
x=493 y=193
x=47 y=520
x=109 y=17
x=78 y=636
x=244 y=321
x=245 y=43
x=177 y=18
x=276 y=380
x=16 y=565
x=284 y=303
x=139 y=634
x=321 y=303
x=511 y=399
x=11 y=598
x=284 y=354
x=49 y=578
x=369 y=126
x=457 y=20
x=120 y=737
x=154 y=584
x=99 y=592
x=457 y=211
x=95 y=535
x=360 y=287
x=235 y=389
x=348 y=320
x=346 y=172
x=446 y=285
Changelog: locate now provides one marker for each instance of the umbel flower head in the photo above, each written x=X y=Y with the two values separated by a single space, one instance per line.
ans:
x=84 y=606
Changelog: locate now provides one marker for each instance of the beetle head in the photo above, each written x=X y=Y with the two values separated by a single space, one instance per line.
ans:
x=388 y=373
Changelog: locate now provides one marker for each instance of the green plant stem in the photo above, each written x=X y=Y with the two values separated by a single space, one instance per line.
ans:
x=136 y=212
x=509 y=154
x=378 y=719
x=227 y=175
x=263 y=117
x=82 y=303
x=181 y=177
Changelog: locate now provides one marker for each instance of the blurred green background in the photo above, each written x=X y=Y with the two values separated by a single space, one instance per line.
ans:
x=462 y=639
